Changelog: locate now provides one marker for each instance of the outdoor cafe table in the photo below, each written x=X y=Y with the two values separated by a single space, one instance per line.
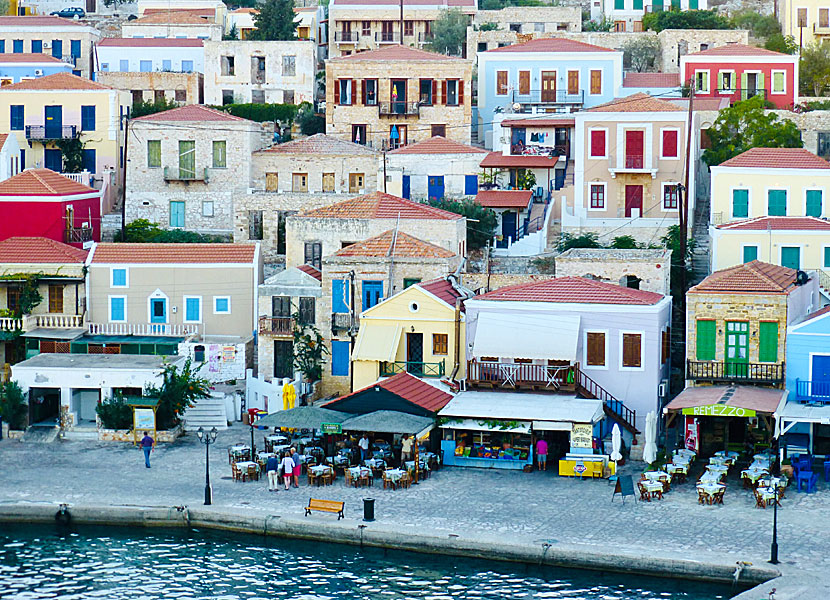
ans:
x=358 y=473
x=765 y=456
x=710 y=489
x=239 y=452
x=319 y=473
x=685 y=452
x=678 y=468
x=656 y=475
x=779 y=482
x=719 y=469
x=243 y=466
x=754 y=475
x=710 y=477
x=767 y=494
x=654 y=488
x=720 y=460
x=725 y=454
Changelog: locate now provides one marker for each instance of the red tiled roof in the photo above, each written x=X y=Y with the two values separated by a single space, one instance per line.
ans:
x=405 y=246
x=738 y=50
x=497 y=159
x=246 y=10
x=172 y=17
x=778 y=224
x=577 y=290
x=651 y=80
x=438 y=145
x=378 y=205
x=38 y=21
x=396 y=3
x=752 y=277
x=441 y=288
x=539 y=122
x=42 y=182
x=202 y=12
x=314 y=272
x=504 y=198
x=639 y=102
x=701 y=104
x=57 y=81
x=191 y=112
x=551 y=45
x=151 y=43
x=28 y=57
x=408 y=387
x=20 y=250
x=108 y=253
x=817 y=313
x=396 y=53
x=777 y=158
x=321 y=144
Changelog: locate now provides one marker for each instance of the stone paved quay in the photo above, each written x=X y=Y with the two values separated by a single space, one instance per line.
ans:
x=520 y=507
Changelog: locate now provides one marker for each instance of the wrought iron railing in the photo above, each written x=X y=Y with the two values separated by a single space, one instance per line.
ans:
x=276 y=325
x=346 y=36
x=43 y=132
x=729 y=372
x=546 y=97
x=823 y=279
x=179 y=174
x=610 y=404
x=425 y=38
x=634 y=161
x=388 y=37
x=399 y=108
x=417 y=368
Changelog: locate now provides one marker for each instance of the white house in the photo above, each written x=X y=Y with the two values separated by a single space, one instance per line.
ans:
x=151 y=55
x=9 y=156
x=627 y=15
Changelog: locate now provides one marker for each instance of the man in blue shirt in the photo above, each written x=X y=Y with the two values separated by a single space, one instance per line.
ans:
x=272 y=472
x=148 y=444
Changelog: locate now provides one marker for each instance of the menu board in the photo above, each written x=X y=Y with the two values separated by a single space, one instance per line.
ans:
x=582 y=435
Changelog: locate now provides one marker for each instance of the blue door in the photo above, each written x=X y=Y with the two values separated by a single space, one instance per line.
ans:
x=405 y=187
x=57 y=48
x=339 y=357
x=37 y=46
x=508 y=228
x=158 y=310
x=54 y=121
x=435 y=187
x=821 y=376
x=89 y=160
x=52 y=160
x=372 y=293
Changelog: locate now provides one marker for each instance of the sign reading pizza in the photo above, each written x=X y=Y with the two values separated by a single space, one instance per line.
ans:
x=718 y=410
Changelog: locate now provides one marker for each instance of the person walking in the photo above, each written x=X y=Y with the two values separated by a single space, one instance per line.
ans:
x=406 y=448
x=272 y=468
x=148 y=445
x=298 y=467
x=542 y=455
x=287 y=469
x=364 y=447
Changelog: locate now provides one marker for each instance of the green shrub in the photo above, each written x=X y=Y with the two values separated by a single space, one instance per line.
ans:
x=13 y=407
x=261 y=112
x=115 y=413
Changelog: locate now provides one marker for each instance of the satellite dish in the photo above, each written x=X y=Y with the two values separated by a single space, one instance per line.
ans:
x=517 y=106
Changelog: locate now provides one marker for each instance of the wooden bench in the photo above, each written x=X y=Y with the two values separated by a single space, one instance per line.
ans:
x=331 y=506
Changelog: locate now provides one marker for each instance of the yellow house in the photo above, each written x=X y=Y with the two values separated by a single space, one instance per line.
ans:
x=419 y=330
x=806 y=20
x=62 y=107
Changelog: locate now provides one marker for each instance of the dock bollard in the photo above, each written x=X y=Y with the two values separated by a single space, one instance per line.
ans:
x=368 y=509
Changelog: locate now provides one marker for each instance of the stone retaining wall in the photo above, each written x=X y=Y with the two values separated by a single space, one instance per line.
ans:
x=127 y=435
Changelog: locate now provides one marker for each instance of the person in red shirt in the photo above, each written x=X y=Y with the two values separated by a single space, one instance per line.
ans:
x=542 y=455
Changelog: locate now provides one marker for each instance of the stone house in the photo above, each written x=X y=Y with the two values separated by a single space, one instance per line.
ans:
x=815 y=129
x=314 y=234
x=396 y=96
x=172 y=24
x=212 y=10
x=736 y=323
x=238 y=72
x=185 y=165
x=639 y=268
x=627 y=15
x=300 y=175
x=520 y=23
x=181 y=88
x=361 y=275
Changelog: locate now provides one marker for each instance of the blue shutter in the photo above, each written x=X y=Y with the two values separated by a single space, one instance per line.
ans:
x=166 y=65
x=119 y=277
x=37 y=46
x=57 y=48
x=87 y=118
x=405 y=187
x=339 y=296
x=116 y=309
x=750 y=253
x=124 y=65
x=176 y=213
x=192 y=310
x=145 y=66
x=89 y=159
x=827 y=256
x=187 y=66
x=372 y=293
x=75 y=48
x=471 y=185
x=339 y=357
x=17 y=46
x=2 y=46
x=16 y=117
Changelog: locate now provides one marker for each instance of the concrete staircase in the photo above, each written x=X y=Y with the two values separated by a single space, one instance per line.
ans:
x=110 y=225
x=700 y=232
x=207 y=413
x=85 y=434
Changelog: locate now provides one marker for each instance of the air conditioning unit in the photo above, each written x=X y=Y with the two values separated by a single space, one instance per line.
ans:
x=38 y=72
x=663 y=389
x=47 y=45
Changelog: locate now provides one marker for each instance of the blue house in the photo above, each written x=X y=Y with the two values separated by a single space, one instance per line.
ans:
x=545 y=75
x=16 y=67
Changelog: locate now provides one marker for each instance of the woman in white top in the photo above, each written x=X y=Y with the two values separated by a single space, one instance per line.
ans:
x=287 y=466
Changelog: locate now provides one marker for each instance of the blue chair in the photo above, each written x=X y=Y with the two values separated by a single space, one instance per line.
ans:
x=809 y=479
x=827 y=470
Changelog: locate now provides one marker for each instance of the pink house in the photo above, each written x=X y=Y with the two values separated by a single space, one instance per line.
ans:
x=738 y=72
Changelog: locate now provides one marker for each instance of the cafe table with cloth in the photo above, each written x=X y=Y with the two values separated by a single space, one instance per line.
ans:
x=707 y=492
x=360 y=475
x=753 y=474
x=720 y=460
x=654 y=488
x=721 y=470
x=767 y=495
x=320 y=474
x=710 y=477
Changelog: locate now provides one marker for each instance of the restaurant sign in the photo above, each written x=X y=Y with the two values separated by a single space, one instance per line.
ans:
x=331 y=428
x=718 y=410
x=581 y=435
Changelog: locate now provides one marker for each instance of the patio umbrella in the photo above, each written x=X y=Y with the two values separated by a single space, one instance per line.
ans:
x=616 y=443
x=650 y=449
x=303 y=417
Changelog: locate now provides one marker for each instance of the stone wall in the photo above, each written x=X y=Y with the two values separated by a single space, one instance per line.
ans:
x=652 y=267
x=128 y=435
x=484 y=282
x=285 y=164
x=810 y=124
x=171 y=85
x=224 y=361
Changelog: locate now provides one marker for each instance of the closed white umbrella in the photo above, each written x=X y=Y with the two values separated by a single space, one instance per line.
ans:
x=616 y=443
x=650 y=450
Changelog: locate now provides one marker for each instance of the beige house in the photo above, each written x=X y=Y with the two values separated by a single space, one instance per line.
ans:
x=396 y=96
x=181 y=88
x=517 y=24
x=185 y=165
x=172 y=24
x=313 y=234
x=69 y=40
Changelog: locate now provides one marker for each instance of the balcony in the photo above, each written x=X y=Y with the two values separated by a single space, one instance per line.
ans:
x=722 y=372
x=388 y=37
x=43 y=133
x=521 y=375
x=10 y=327
x=534 y=99
x=53 y=321
x=417 y=368
x=276 y=326
x=400 y=108
x=77 y=235
x=425 y=38
x=168 y=329
x=178 y=174
x=346 y=37
x=812 y=392
x=634 y=163
x=819 y=29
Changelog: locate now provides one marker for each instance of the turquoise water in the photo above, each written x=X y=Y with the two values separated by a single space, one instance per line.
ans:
x=114 y=564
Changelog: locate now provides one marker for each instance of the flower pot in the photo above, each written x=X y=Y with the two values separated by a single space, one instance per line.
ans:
x=787 y=470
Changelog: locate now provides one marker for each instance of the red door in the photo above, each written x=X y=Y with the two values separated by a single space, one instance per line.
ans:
x=633 y=200
x=634 y=149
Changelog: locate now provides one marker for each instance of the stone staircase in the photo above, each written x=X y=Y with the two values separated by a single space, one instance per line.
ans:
x=700 y=233
x=207 y=413
x=110 y=225
x=41 y=434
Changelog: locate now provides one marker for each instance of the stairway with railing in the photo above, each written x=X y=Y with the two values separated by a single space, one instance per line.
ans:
x=613 y=407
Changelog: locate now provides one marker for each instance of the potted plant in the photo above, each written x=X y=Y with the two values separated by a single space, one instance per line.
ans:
x=787 y=467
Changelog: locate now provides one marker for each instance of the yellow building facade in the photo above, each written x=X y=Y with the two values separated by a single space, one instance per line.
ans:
x=807 y=21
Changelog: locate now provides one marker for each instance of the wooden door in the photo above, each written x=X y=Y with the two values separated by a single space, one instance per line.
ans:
x=271 y=182
x=634 y=149
x=415 y=353
x=633 y=200
x=548 y=86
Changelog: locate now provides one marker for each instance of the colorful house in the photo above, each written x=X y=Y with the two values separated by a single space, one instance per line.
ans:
x=738 y=72
x=150 y=55
x=514 y=209
x=627 y=15
x=9 y=156
x=14 y=68
x=807 y=21
x=68 y=40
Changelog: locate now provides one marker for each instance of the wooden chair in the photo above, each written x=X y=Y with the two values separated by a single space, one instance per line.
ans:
x=366 y=480
x=253 y=472
x=350 y=481
x=405 y=481
x=235 y=472
x=387 y=482
x=312 y=478
x=759 y=500
x=717 y=498
x=645 y=495
x=701 y=496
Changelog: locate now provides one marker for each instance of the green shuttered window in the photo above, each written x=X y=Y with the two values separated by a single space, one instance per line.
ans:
x=814 y=203
x=768 y=345
x=740 y=204
x=153 y=153
x=706 y=340
x=777 y=203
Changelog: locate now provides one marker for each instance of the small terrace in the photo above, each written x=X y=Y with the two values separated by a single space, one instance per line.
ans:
x=730 y=372
x=416 y=368
x=276 y=326
x=47 y=133
x=186 y=175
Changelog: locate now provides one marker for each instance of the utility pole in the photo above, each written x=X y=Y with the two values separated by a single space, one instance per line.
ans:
x=401 y=40
x=683 y=208
x=124 y=179
x=384 y=172
x=352 y=329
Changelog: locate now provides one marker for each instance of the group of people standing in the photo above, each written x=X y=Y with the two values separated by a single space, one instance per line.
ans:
x=290 y=467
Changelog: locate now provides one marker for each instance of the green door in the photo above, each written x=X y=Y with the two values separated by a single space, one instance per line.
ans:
x=737 y=348
x=187 y=159
x=791 y=257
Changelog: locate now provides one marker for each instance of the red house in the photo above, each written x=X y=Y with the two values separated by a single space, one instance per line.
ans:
x=42 y=203
x=738 y=72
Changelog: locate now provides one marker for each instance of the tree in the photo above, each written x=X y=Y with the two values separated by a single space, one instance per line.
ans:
x=814 y=68
x=761 y=26
x=747 y=125
x=233 y=34
x=687 y=19
x=275 y=21
x=589 y=239
x=309 y=350
x=13 y=407
x=178 y=391
x=144 y=231
x=115 y=413
x=142 y=108
x=642 y=52
x=624 y=242
x=310 y=123
x=603 y=24
x=481 y=221
x=778 y=42
x=449 y=33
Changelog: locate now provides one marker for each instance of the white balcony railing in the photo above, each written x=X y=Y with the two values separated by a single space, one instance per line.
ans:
x=52 y=321
x=10 y=324
x=142 y=329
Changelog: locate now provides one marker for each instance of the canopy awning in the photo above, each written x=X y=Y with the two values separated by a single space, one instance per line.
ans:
x=302 y=417
x=389 y=421
x=552 y=426
x=479 y=425
x=727 y=401
x=535 y=336
x=376 y=342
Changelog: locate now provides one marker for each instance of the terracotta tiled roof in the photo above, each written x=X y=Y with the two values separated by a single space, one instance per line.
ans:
x=651 y=80
x=314 y=272
x=441 y=288
x=777 y=158
x=504 y=198
x=202 y=12
x=405 y=246
x=551 y=45
x=246 y=10
x=751 y=277
x=378 y=205
x=577 y=290
x=738 y=50
x=539 y=122
x=639 y=102
x=320 y=143
x=57 y=81
x=107 y=253
x=408 y=387
x=497 y=159
x=28 y=57
x=395 y=53
x=20 y=250
x=396 y=3
x=42 y=182
x=173 y=17
x=38 y=21
x=151 y=43
x=778 y=224
x=191 y=112
x=818 y=313
x=3 y=138
x=438 y=145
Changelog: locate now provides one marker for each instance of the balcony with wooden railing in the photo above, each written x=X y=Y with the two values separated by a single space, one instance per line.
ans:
x=416 y=368
x=77 y=235
x=276 y=326
x=729 y=372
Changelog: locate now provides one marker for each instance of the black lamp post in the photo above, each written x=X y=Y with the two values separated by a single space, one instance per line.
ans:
x=773 y=549
x=253 y=448
x=207 y=438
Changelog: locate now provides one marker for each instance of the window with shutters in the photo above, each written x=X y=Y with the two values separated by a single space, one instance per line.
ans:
x=632 y=347
x=824 y=17
x=289 y=65
x=187 y=159
x=356 y=181
x=813 y=203
x=370 y=92
x=670 y=196
x=702 y=82
x=791 y=257
x=153 y=154
x=359 y=134
x=453 y=92
x=524 y=83
x=177 y=213
x=207 y=208
x=425 y=87
x=272 y=181
x=313 y=254
x=221 y=305
x=192 y=309
x=88 y=118
x=306 y=311
x=665 y=347
x=779 y=82
x=726 y=82
x=16 y=112
x=501 y=83
x=827 y=256
x=595 y=355
x=339 y=358
x=299 y=182
x=220 y=156
x=328 y=182
x=597 y=146
x=777 y=203
x=55 y=298
x=440 y=343
x=344 y=91
x=365 y=28
x=740 y=203
x=180 y=95
x=749 y=253
x=573 y=82
x=596 y=82
x=597 y=196
x=801 y=17
x=409 y=28
x=410 y=281
x=768 y=342
x=669 y=143
x=706 y=340
x=340 y=296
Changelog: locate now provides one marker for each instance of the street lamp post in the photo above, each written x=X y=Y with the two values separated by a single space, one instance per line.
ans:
x=773 y=549
x=207 y=438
